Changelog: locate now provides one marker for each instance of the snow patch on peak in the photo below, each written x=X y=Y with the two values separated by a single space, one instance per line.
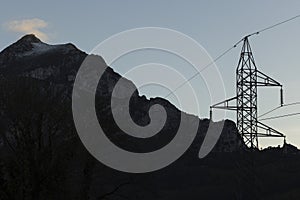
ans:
x=39 y=48
x=29 y=39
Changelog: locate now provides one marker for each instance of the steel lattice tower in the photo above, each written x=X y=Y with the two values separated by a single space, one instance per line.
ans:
x=246 y=89
x=248 y=79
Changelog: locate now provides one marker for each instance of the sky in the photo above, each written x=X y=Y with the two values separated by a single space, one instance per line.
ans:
x=215 y=25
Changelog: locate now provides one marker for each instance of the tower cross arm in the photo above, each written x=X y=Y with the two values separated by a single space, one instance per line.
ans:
x=225 y=104
x=268 y=131
x=265 y=80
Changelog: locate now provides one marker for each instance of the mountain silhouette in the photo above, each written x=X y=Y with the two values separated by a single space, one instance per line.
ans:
x=43 y=157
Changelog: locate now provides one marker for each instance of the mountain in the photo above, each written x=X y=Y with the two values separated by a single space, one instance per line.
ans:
x=32 y=58
x=58 y=64
x=42 y=156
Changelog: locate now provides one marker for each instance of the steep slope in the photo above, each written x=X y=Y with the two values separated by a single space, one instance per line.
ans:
x=37 y=131
x=58 y=65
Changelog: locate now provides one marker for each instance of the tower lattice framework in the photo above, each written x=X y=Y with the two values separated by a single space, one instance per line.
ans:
x=248 y=79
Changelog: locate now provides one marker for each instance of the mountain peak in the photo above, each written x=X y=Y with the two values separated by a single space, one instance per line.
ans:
x=24 y=44
x=30 y=38
x=30 y=45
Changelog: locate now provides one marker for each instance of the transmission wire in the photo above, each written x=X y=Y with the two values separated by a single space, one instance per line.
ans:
x=276 y=108
x=228 y=50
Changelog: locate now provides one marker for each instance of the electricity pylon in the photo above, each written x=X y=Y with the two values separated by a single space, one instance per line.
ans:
x=248 y=78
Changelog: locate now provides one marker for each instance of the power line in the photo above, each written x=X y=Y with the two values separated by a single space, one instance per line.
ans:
x=280 y=116
x=225 y=52
x=272 y=110
x=276 y=108
x=291 y=104
x=277 y=24
x=205 y=67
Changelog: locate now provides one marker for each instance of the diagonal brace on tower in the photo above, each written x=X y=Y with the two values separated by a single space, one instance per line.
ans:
x=248 y=79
